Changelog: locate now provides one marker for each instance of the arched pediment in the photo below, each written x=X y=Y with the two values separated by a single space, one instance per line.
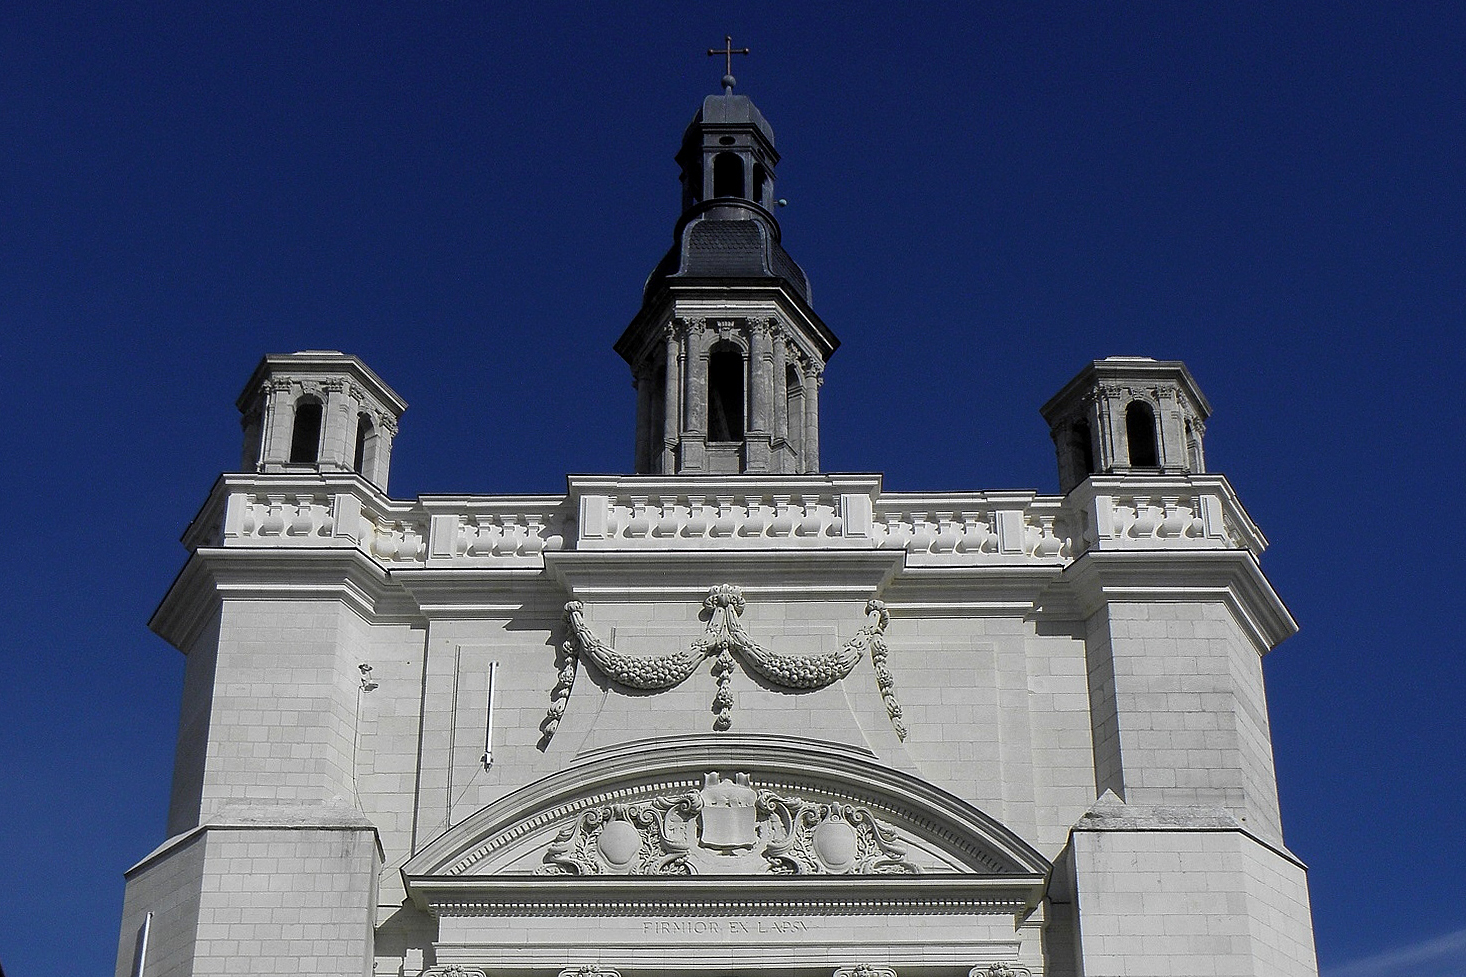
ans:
x=741 y=805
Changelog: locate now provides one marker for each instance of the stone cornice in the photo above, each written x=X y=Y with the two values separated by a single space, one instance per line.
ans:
x=693 y=895
x=1231 y=577
x=214 y=574
x=479 y=593
x=970 y=590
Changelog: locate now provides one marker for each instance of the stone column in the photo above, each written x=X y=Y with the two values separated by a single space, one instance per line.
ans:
x=671 y=396
x=813 y=379
x=693 y=442
x=386 y=431
x=757 y=439
x=279 y=423
x=1114 y=452
x=337 y=428
x=1170 y=431
x=642 y=382
x=781 y=403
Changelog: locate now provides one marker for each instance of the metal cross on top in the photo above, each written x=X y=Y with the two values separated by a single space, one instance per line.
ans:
x=727 y=51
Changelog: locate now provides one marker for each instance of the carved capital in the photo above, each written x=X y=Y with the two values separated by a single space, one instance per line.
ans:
x=694 y=325
x=332 y=385
x=387 y=425
x=1000 y=970
x=865 y=970
x=590 y=970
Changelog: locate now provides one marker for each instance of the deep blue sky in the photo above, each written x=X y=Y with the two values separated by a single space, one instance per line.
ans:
x=470 y=195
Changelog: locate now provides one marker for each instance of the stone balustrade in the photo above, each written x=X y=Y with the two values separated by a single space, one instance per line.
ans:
x=788 y=512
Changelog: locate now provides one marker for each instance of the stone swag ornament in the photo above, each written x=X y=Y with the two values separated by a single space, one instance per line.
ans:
x=724 y=637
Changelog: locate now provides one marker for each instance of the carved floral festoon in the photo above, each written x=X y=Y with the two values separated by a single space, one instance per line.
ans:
x=724 y=636
x=727 y=827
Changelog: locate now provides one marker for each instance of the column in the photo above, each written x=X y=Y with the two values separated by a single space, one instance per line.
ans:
x=757 y=438
x=814 y=378
x=785 y=456
x=338 y=427
x=386 y=431
x=694 y=438
x=279 y=422
x=642 y=381
x=671 y=401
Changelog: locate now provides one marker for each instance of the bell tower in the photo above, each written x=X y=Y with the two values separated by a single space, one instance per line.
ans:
x=318 y=410
x=727 y=354
x=1128 y=415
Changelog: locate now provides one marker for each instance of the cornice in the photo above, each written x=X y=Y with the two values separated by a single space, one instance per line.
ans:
x=950 y=591
x=462 y=593
x=656 y=575
x=213 y=574
x=1231 y=577
x=695 y=896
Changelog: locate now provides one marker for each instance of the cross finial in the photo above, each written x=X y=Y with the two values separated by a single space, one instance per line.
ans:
x=727 y=51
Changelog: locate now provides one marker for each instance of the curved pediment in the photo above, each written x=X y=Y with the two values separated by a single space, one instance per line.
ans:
x=743 y=805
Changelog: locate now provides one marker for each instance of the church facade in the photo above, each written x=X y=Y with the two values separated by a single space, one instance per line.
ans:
x=729 y=714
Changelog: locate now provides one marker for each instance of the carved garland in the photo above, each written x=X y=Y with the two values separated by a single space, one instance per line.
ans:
x=724 y=636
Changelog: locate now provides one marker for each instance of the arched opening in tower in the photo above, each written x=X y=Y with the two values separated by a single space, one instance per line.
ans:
x=1081 y=449
x=725 y=393
x=364 y=458
x=1140 y=435
x=727 y=175
x=305 y=436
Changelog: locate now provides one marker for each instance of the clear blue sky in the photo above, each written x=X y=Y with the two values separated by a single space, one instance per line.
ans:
x=469 y=196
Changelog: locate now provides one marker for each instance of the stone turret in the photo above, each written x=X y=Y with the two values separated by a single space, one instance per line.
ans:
x=319 y=410
x=1128 y=415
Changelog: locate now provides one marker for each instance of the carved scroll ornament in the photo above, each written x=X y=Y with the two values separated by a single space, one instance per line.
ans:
x=727 y=827
x=724 y=636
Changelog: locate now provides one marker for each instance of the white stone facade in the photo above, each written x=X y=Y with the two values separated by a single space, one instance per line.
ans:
x=1037 y=652
x=769 y=720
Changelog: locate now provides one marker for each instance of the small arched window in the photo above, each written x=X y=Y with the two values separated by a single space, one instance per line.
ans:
x=762 y=185
x=725 y=393
x=1140 y=435
x=727 y=175
x=794 y=409
x=305 y=436
x=1082 y=447
x=366 y=445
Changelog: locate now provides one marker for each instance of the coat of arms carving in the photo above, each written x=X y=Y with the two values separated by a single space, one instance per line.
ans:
x=728 y=827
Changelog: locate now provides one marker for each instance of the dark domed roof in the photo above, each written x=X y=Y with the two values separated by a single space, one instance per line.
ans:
x=710 y=245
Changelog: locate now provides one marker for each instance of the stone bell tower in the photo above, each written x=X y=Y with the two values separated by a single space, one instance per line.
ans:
x=727 y=354
x=319 y=410
x=1128 y=415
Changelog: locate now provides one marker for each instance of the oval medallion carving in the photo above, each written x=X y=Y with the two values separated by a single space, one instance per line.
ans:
x=619 y=843
x=835 y=844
